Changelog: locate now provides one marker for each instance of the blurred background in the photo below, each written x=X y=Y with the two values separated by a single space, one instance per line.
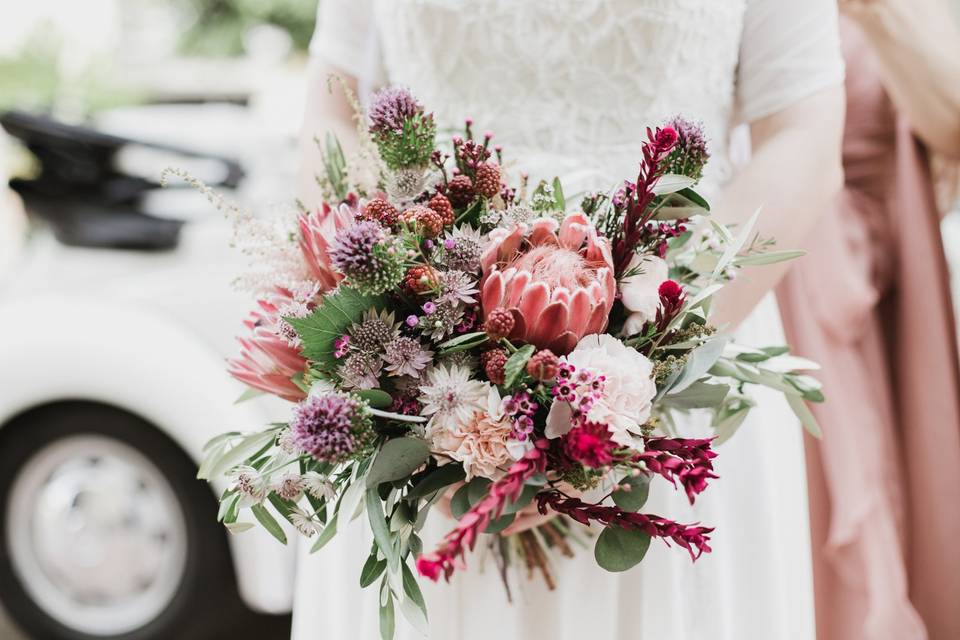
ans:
x=104 y=525
x=117 y=311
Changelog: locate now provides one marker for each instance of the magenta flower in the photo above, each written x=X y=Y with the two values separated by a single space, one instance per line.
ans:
x=694 y=538
x=455 y=544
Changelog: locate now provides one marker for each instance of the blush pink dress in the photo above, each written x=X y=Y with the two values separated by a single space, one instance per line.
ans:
x=871 y=303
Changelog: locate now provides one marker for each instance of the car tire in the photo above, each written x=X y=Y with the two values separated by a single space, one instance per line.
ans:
x=198 y=601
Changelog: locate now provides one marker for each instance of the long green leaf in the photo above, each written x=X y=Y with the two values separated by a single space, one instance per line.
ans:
x=380 y=528
x=515 y=364
x=437 y=479
x=269 y=522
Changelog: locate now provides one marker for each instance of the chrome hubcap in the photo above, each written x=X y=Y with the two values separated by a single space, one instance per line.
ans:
x=96 y=534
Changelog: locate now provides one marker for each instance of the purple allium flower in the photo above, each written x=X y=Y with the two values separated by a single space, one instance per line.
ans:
x=352 y=248
x=331 y=427
x=412 y=320
x=690 y=154
x=366 y=254
x=429 y=308
x=390 y=107
x=449 y=244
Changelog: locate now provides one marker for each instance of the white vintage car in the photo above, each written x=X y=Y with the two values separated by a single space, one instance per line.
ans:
x=112 y=378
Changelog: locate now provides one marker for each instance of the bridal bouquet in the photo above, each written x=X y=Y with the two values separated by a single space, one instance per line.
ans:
x=450 y=339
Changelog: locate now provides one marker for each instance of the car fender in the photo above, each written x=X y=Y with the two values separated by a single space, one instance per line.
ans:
x=57 y=347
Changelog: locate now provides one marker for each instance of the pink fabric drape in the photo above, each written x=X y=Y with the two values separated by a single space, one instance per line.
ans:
x=871 y=302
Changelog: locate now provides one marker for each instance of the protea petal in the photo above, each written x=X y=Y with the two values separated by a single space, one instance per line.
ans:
x=580 y=308
x=493 y=291
x=534 y=299
x=544 y=330
x=564 y=344
x=543 y=231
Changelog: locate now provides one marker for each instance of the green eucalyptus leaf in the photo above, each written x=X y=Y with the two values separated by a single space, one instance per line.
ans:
x=694 y=197
x=671 y=183
x=372 y=569
x=477 y=489
x=412 y=588
x=269 y=523
x=437 y=479
x=699 y=395
x=700 y=361
x=516 y=364
x=238 y=527
x=526 y=497
x=248 y=446
x=767 y=257
x=326 y=535
x=376 y=398
x=397 y=459
x=379 y=526
x=464 y=342
x=619 y=549
x=460 y=502
x=802 y=412
x=634 y=499
x=387 y=621
x=499 y=524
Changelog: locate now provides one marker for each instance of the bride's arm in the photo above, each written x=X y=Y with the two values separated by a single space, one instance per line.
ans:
x=327 y=110
x=794 y=173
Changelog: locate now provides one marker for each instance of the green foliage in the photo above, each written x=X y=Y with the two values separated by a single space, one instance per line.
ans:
x=397 y=459
x=516 y=365
x=437 y=479
x=329 y=321
x=634 y=499
x=217 y=27
x=334 y=178
x=411 y=147
x=620 y=549
x=269 y=523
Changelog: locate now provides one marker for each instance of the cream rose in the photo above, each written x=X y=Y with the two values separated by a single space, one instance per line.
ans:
x=482 y=443
x=628 y=390
x=640 y=292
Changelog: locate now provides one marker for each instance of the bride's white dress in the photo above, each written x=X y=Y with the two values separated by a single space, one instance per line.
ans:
x=568 y=86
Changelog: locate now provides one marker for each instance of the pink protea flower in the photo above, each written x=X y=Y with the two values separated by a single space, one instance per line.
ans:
x=270 y=356
x=556 y=280
x=317 y=232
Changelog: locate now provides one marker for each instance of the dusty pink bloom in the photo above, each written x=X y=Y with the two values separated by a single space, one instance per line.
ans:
x=317 y=232
x=480 y=443
x=557 y=282
x=268 y=361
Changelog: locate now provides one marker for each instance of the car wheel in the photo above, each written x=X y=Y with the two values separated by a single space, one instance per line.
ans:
x=107 y=533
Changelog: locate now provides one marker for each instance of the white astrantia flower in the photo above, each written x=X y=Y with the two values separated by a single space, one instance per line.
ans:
x=628 y=388
x=640 y=292
x=319 y=486
x=450 y=397
x=303 y=522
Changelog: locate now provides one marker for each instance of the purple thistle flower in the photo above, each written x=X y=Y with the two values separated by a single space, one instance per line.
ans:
x=690 y=153
x=367 y=255
x=390 y=107
x=330 y=427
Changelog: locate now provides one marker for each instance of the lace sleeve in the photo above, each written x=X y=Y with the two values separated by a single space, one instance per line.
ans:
x=788 y=51
x=346 y=37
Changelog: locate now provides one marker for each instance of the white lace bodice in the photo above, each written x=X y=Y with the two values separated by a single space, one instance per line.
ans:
x=567 y=86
